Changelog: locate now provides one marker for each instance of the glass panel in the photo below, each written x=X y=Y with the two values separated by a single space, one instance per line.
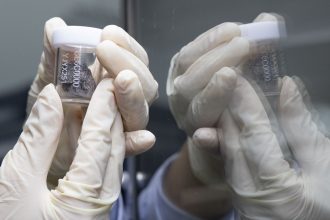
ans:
x=165 y=28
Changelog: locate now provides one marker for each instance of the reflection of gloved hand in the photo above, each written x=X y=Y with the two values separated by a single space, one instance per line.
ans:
x=264 y=185
x=207 y=137
x=93 y=182
x=199 y=86
x=126 y=61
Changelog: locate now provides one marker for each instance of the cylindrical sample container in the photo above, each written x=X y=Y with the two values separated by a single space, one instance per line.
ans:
x=263 y=69
x=266 y=63
x=76 y=75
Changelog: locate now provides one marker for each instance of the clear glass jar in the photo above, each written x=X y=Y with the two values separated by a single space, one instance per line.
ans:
x=75 y=74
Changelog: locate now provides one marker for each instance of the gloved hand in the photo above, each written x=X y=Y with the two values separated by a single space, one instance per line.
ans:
x=93 y=182
x=202 y=116
x=123 y=59
x=264 y=185
x=207 y=137
x=199 y=86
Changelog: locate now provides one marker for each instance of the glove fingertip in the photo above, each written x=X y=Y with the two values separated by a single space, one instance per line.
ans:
x=110 y=30
x=242 y=45
x=139 y=141
x=206 y=138
x=150 y=138
x=55 y=21
x=51 y=25
x=124 y=79
x=123 y=39
x=104 y=48
x=104 y=51
x=178 y=83
x=265 y=16
x=227 y=76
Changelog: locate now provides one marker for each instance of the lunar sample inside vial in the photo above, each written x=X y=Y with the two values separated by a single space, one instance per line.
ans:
x=75 y=81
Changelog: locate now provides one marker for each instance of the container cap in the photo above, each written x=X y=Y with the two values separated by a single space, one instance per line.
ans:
x=76 y=35
x=267 y=30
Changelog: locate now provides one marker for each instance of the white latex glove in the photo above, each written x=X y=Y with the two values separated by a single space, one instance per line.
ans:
x=93 y=182
x=135 y=89
x=204 y=147
x=207 y=137
x=264 y=185
x=199 y=86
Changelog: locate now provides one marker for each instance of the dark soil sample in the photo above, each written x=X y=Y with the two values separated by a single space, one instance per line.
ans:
x=77 y=83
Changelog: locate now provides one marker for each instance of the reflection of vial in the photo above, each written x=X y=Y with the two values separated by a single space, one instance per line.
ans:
x=75 y=77
x=265 y=64
x=264 y=67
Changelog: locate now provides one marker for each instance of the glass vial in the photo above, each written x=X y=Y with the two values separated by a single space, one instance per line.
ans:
x=76 y=76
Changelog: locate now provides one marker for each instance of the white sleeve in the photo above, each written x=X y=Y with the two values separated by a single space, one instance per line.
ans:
x=154 y=204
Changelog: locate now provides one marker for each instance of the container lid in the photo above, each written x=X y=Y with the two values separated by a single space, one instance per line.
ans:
x=76 y=35
x=266 y=30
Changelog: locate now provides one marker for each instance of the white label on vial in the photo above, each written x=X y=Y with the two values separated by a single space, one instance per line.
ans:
x=64 y=67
